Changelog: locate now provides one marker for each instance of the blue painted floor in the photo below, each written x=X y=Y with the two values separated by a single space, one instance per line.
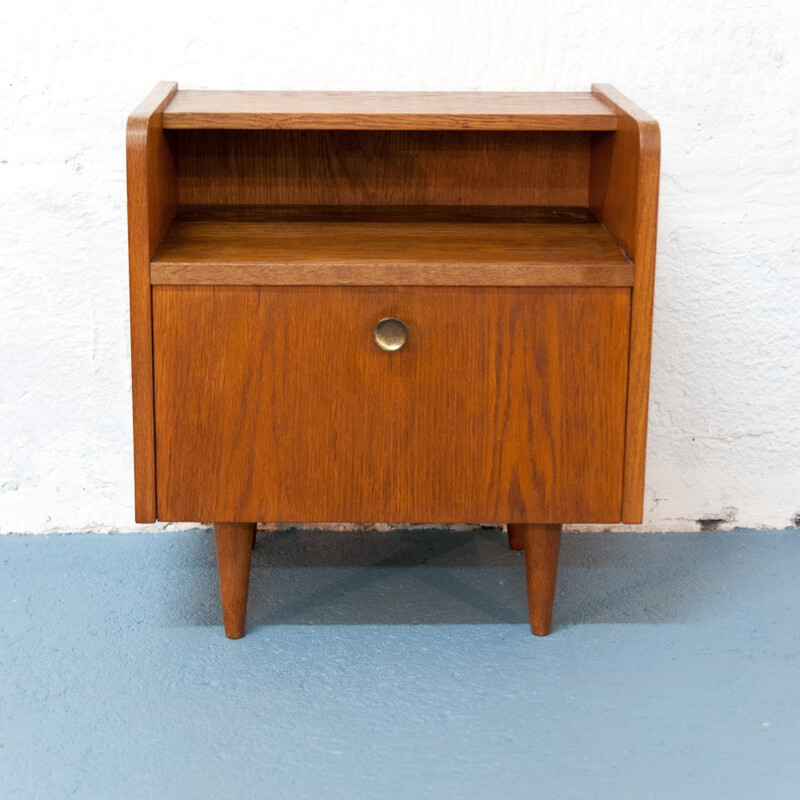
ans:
x=400 y=665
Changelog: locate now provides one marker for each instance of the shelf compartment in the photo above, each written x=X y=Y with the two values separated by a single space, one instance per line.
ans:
x=534 y=111
x=369 y=245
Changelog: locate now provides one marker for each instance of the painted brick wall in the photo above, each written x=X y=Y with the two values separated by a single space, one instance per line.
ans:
x=723 y=79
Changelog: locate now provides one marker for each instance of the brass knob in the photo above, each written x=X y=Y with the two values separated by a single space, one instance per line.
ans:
x=390 y=334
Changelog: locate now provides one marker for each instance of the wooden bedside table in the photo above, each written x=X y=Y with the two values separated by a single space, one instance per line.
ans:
x=399 y=307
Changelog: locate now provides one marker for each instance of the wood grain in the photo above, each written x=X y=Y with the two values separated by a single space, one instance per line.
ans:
x=389 y=168
x=152 y=199
x=516 y=540
x=624 y=195
x=545 y=248
x=234 y=545
x=393 y=110
x=541 y=544
x=572 y=215
x=505 y=405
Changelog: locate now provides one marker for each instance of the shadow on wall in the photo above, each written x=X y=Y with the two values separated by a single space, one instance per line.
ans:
x=469 y=577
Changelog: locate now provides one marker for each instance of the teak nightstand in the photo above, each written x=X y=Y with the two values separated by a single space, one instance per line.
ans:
x=398 y=307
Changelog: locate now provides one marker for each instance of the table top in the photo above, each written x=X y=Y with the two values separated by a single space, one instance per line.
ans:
x=388 y=110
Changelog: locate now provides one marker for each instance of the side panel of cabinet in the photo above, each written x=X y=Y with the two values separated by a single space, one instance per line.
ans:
x=275 y=404
x=623 y=192
x=152 y=199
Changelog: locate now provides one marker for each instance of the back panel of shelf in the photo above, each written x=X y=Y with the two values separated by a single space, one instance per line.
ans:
x=389 y=168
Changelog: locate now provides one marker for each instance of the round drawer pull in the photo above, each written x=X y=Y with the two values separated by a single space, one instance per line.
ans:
x=390 y=334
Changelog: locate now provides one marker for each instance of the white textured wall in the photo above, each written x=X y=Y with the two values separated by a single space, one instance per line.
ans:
x=723 y=79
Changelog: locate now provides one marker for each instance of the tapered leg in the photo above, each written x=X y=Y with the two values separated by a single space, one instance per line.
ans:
x=516 y=538
x=541 y=543
x=234 y=542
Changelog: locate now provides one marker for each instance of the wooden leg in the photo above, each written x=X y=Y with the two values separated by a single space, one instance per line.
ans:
x=516 y=538
x=541 y=544
x=234 y=547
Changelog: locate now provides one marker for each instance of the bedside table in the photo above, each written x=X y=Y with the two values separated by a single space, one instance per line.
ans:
x=395 y=307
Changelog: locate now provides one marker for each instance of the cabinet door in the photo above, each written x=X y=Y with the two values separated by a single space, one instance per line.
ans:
x=276 y=404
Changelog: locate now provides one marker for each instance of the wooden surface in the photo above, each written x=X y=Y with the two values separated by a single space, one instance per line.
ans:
x=390 y=168
x=516 y=541
x=543 y=247
x=624 y=194
x=541 y=544
x=572 y=215
x=504 y=405
x=152 y=198
x=393 y=110
x=234 y=545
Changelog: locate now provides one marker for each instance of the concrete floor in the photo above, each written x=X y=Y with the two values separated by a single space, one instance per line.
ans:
x=400 y=664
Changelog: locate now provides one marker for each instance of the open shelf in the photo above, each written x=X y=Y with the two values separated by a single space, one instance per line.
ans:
x=573 y=111
x=389 y=245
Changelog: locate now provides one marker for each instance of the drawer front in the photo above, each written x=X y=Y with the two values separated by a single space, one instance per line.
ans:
x=276 y=404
